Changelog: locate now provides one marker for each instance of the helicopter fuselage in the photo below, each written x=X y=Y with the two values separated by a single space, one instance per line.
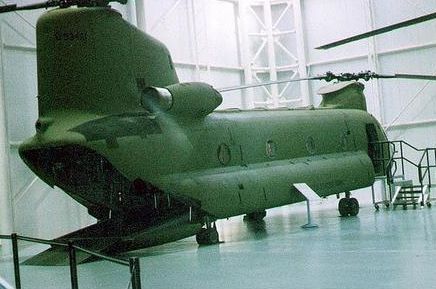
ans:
x=173 y=166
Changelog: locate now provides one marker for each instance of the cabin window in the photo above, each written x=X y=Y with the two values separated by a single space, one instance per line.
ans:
x=223 y=153
x=270 y=149
x=344 y=141
x=310 y=145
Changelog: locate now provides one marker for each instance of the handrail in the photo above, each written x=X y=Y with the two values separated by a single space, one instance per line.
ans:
x=407 y=160
x=41 y=241
x=107 y=258
x=422 y=157
x=132 y=263
x=54 y=243
x=408 y=144
x=426 y=161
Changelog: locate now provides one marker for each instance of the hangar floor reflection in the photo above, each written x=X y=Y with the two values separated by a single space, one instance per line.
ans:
x=384 y=249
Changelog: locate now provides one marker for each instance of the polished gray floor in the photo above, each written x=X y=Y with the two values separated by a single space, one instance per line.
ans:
x=384 y=249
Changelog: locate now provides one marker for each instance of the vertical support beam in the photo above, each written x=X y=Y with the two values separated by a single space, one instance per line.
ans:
x=194 y=38
x=140 y=15
x=135 y=272
x=14 y=240
x=247 y=94
x=131 y=13
x=271 y=51
x=6 y=205
x=301 y=52
x=206 y=13
x=376 y=103
x=73 y=265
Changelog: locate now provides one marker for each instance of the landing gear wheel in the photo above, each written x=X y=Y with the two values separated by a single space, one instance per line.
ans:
x=353 y=207
x=207 y=236
x=255 y=216
x=348 y=207
x=429 y=205
x=343 y=207
x=377 y=207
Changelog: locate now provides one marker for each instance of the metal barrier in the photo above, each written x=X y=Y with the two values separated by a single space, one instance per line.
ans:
x=396 y=153
x=132 y=263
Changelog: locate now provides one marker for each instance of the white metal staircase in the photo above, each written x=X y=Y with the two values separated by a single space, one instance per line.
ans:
x=408 y=179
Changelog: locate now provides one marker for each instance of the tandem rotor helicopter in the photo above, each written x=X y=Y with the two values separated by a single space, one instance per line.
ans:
x=150 y=158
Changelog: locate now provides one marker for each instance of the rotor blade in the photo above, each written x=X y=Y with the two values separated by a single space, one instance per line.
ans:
x=59 y=3
x=407 y=76
x=379 y=31
x=14 y=7
x=231 y=88
x=8 y=8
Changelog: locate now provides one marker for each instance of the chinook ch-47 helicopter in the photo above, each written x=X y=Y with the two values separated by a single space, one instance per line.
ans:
x=150 y=158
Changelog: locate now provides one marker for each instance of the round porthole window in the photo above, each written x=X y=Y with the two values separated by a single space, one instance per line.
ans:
x=310 y=145
x=223 y=154
x=270 y=149
x=344 y=141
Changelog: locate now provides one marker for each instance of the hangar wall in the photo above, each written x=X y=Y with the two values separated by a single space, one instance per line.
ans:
x=226 y=43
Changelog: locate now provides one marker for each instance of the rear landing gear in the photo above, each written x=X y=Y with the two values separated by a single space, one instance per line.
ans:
x=208 y=235
x=348 y=206
x=255 y=216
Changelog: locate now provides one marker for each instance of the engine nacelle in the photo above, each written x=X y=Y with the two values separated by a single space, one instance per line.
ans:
x=191 y=99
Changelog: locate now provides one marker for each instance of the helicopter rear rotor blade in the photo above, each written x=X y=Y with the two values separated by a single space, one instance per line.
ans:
x=231 y=88
x=8 y=8
x=379 y=31
x=329 y=76
x=405 y=76
x=416 y=76
x=41 y=5
x=58 y=3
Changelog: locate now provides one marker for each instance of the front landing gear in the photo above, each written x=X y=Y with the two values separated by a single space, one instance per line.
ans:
x=208 y=235
x=348 y=206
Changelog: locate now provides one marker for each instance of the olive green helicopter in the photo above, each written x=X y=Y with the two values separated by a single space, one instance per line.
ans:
x=152 y=160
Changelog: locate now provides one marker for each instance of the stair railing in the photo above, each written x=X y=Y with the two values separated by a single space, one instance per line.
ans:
x=426 y=163
x=424 y=166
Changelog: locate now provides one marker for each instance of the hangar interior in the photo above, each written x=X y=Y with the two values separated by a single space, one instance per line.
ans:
x=229 y=43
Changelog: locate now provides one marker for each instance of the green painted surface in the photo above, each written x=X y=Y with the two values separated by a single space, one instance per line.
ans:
x=96 y=140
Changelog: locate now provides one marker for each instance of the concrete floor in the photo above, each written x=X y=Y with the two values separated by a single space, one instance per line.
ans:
x=384 y=249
